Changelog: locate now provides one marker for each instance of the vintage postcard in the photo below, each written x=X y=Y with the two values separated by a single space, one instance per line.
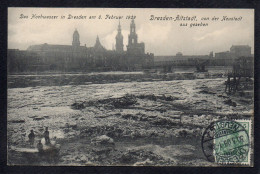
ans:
x=130 y=87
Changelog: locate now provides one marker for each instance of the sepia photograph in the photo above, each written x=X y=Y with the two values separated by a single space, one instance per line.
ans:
x=130 y=87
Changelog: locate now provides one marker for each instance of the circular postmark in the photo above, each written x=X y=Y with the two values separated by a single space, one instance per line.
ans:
x=225 y=141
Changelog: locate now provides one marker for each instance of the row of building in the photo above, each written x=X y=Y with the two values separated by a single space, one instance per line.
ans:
x=226 y=58
x=74 y=57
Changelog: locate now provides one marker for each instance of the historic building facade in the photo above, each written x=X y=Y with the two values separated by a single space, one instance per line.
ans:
x=62 y=57
x=236 y=51
x=240 y=50
x=74 y=57
x=225 y=58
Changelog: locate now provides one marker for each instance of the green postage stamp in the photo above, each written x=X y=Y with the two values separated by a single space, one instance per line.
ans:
x=231 y=142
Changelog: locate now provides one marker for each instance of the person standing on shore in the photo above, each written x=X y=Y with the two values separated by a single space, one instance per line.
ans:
x=40 y=146
x=46 y=136
x=31 y=137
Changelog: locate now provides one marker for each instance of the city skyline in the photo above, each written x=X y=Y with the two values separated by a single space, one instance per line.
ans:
x=160 y=37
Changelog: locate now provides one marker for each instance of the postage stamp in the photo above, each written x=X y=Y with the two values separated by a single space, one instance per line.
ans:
x=228 y=142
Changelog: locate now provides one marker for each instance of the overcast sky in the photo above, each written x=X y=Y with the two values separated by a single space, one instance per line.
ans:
x=160 y=37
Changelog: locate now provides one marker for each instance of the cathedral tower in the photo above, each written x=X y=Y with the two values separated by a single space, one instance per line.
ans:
x=133 y=46
x=75 y=41
x=132 y=37
x=119 y=40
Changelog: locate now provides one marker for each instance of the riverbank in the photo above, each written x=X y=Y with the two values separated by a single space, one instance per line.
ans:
x=61 y=79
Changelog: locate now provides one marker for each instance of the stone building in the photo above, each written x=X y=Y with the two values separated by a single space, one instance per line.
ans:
x=225 y=58
x=188 y=60
x=74 y=57
x=240 y=50
x=236 y=51
x=62 y=57
x=228 y=57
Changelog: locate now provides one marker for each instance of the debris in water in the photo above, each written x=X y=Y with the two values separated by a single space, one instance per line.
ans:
x=102 y=140
x=17 y=121
x=230 y=103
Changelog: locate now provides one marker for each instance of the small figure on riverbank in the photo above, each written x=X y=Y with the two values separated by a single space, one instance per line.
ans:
x=31 y=137
x=40 y=146
x=228 y=84
x=46 y=136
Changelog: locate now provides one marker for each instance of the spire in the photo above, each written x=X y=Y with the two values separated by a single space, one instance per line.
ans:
x=132 y=26
x=97 y=44
x=132 y=37
x=119 y=27
x=98 y=47
x=97 y=41
x=119 y=39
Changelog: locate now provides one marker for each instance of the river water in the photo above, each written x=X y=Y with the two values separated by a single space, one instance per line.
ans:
x=50 y=106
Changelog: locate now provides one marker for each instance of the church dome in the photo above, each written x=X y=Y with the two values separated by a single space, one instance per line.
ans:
x=179 y=54
x=76 y=41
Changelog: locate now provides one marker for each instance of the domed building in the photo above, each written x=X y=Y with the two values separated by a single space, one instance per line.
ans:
x=179 y=54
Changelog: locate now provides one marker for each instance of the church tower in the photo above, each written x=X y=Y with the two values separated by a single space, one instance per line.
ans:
x=133 y=46
x=75 y=41
x=98 y=46
x=132 y=37
x=119 y=40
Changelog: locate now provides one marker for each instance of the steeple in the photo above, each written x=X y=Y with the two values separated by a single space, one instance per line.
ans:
x=75 y=41
x=132 y=26
x=119 y=27
x=97 y=41
x=132 y=37
x=98 y=46
x=119 y=39
x=133 y=46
